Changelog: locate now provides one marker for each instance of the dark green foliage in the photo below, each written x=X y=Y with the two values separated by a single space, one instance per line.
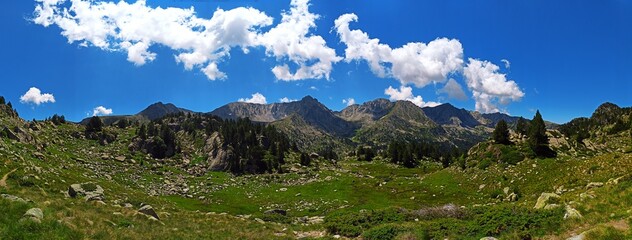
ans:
x=439 y=223
x=142 y=132
x=528 y=223
x=328 y=153
x=277 y=218
x=365 y=153
x=538 y=141
x=577 y=129
x=2 y=101
x=501 y=133
x=252 y=148
x=409 y=154
x=251 y=142
x=162 y=143
x=57 y=120
x=305 y=159
x=123 y=123
x=352 y=224
x=10 y=105
x=522 y=126
x=383 y=232
x=94 y=125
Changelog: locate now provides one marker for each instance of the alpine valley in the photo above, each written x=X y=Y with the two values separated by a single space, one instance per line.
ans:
x=379 y=170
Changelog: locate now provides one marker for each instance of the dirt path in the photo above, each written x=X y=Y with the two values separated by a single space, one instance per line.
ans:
x=3 y=181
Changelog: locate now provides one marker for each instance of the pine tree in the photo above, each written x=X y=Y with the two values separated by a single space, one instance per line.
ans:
x=501 y=133
x=538 y=141
x=522 y=127
x=142 y=132
x=2 y=101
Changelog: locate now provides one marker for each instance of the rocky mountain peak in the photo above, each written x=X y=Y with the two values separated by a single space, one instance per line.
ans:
x=159 y=109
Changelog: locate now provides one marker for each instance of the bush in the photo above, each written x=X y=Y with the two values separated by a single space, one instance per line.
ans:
x=383 y=232
x=352 y=224
x=277 y=218
x=94 y=125
x=494 y=220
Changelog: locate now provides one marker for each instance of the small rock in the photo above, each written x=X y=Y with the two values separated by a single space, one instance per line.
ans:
x=544 y=199
x=34 y=214
x=120 y=158
x=572 y=213
x=489 y=238
x=13 y=198
x=259 y=220
x=282 y=189
x=594 y=185
x=149 y=211
x=512 y=197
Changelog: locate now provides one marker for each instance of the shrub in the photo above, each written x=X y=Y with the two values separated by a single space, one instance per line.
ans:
x=383 y=232
x=277 y=218
x=352 y=224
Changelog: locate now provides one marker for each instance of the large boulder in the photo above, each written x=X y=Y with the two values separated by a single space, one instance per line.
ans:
x=90 y=191
x=33 y=214
x=546 y=199
x=217 y=156
x=149 y=211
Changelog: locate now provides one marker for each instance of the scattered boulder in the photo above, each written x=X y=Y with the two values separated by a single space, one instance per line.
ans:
x=90 y=191
x=572 y=213
x=33 y=214
x=149 y=211
x=546 y=199
x=512 y=197
x=489 y=238
x=13 y=198
x=594 y=185
x=120 y=158
x=276 y=211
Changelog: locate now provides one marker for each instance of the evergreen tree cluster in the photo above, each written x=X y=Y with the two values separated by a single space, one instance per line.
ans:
x=94 y=125
x=159 y=138
x=364 y=153
x=10 y=110
x=56 y=119
x=255 y=148
x=409 y=154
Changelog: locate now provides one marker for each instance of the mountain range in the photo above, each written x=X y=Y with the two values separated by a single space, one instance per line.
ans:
x=311 y=124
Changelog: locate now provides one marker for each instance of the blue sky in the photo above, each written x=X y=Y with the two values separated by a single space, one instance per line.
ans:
x=566 y=57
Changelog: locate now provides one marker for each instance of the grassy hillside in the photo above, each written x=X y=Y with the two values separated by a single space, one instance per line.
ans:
x=347 y=198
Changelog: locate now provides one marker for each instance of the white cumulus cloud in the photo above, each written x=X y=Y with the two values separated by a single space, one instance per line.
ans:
x=414 y=63
x=291 y=39
x=489 y=87
x=101 y=111
x=198 y=43
x=454 y=90
x=406 y=94
x=349 y=101
x=35 y=96
x=257 y=98
x=287 y=100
